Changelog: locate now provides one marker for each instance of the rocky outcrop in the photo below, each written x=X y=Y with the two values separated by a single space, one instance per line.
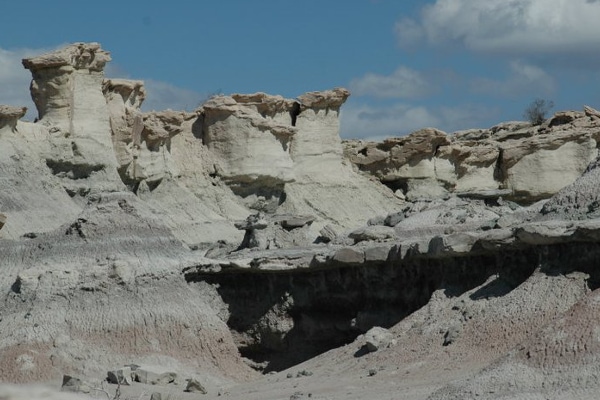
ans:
x=250 y=136
x=238 y=238
x=90 y=151
x=76 y=385
x=316 y=147
x=9 y=117
x=513 y=160
x=295 y=136
x=124 y=98
x=67 y=91
x=273 y=153
x=142 y=141
x=579 y=200
x=244 y=131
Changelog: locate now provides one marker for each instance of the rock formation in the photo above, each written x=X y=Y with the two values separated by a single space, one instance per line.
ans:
x=67 y=91
x=172 y=246
x=514 y=160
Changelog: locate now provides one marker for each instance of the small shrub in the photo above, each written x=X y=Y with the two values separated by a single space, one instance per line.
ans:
x=537 y=111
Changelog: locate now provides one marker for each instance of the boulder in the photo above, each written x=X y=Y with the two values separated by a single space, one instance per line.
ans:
x=378 y=338
x=295 y=221
x=194 y=386
x=154 y=376
x=73 y=384
x=394 y=218
x=121 y=376
x=330 y=233
x=372 y=232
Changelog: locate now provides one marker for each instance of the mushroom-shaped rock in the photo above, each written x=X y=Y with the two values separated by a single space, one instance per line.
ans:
x=67 y=91
x=10 y=115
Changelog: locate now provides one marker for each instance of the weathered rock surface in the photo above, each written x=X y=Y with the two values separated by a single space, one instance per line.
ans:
x=10 y=115
x=76 y=385
x=579 y=200
x=154 y=376
x=121 y=376
x=513 y=160
x=238 y=238
x=378 y=338
x=142 y=141
x=244 y=131
x=67 y=91
x=194 y=386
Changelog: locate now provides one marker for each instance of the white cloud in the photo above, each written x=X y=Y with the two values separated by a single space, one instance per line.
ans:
x=409 y=32
x=525 y=79
x=403 y=83
x=162 y=95
x=467 y=116
x=379 y=122
x=508 y=26
x=362 y=121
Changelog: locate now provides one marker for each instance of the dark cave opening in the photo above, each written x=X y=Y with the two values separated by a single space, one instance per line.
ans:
x=282 y=319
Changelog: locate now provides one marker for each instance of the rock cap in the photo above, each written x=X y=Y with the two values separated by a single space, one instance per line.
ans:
x=9 y=115
x=77 y=55
x=324 y=99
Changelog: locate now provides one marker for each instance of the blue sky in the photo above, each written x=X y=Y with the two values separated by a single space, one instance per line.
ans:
x=450 y=64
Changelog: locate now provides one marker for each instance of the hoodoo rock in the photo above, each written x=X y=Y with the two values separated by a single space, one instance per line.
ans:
x=246 y=238
x=250 y=135
x=9 y=116
x=67 y=91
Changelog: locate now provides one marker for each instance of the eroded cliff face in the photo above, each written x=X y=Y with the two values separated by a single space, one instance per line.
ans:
x=513 y=160
x=67 y=90
x=245 y=236
x=96 y=192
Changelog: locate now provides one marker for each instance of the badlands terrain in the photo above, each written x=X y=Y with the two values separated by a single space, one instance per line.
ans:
x=244 y=251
